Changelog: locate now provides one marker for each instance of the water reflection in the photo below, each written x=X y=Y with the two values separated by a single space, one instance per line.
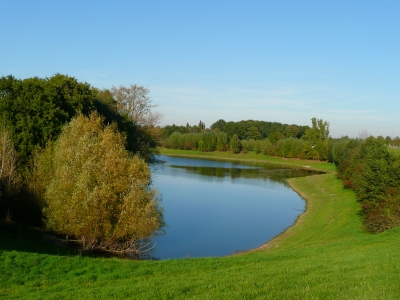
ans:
x=215 y=208
x=213 y=170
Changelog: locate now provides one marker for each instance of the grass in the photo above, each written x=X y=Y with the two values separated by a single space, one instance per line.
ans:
x=395 y=150
x=326 y=255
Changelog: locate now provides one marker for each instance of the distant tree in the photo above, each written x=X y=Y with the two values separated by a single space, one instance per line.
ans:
x=292 y=131
x=317 y=136
x=220 y=124
x=319 y=130
x=201 y=125
x=235 y=144
x=140 y=140
x=253 y=133
x=265 y=129
x=363 y=134
x=134 y=100
x=170 y=129
x=95 y=189
x=275 y=136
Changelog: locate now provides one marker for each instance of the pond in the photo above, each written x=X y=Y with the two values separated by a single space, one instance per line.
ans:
x=217 y=208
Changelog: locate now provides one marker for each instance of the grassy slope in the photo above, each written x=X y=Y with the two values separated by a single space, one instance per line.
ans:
x=396 y=150
x=325 y=256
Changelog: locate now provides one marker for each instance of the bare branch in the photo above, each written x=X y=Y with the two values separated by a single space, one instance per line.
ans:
x=135 y=102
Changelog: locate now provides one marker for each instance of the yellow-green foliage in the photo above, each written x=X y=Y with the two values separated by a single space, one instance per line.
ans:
x=94 y=189
x=9 y=177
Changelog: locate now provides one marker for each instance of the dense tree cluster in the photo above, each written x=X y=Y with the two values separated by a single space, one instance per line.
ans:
x=36 y=109
x=251 y=129
x=373 y=172
x=95 y=169
x=167 y=130
x=314 y=144
x=202 y=141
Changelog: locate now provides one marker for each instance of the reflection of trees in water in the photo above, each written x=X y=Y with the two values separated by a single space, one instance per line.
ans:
x=275 y=174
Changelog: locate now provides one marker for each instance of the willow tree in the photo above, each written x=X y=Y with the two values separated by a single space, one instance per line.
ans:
x=96 y=190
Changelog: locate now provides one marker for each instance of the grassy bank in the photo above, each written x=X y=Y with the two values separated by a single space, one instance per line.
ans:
x=326 y=255
x=395 y=150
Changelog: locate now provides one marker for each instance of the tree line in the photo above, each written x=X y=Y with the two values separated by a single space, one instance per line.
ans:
x=249 y=129
x=74 y=160
x=313 y=144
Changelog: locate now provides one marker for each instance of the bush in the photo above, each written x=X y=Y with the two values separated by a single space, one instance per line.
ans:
x=94 y=189
x=373 y=173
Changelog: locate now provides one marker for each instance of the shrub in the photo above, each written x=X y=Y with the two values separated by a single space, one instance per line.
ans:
x=95 y=189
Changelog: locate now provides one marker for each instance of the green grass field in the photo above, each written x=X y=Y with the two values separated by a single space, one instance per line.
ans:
x=326 y=255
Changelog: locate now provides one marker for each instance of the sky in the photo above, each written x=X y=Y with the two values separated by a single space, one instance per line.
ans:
x=278 y=61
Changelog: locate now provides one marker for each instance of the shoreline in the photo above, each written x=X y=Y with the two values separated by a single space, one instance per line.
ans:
x=294 y=185
x=274 y=241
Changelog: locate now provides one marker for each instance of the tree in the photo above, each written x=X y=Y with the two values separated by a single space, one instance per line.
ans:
x=36 y=109
x=319 y=131
x=317 y=136
x=201 y=125
x=220 y=124
x=363 y=134
x=235 y=144
x=373 y=172
x=135 y=102
x=253 y=133
x=139 y=139
x=292 y=131
x=95 y=189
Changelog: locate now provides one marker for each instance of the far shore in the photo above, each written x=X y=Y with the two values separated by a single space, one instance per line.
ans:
x=251 y=156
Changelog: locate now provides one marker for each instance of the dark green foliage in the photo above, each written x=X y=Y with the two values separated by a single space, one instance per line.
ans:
x=170 y=129
x=253 y=133
x=36 y=109
x=201 y=125
x=373 y=172
x=316 y=145
x=235 y=144
x=318 y=137
x=247 y=129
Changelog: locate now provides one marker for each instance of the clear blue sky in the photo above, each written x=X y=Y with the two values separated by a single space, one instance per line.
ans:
x=282 y=61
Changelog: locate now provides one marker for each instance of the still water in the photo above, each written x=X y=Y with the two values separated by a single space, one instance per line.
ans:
x=217 y=208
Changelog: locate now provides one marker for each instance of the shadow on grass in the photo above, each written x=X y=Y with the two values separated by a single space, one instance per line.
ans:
x=28 y=239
